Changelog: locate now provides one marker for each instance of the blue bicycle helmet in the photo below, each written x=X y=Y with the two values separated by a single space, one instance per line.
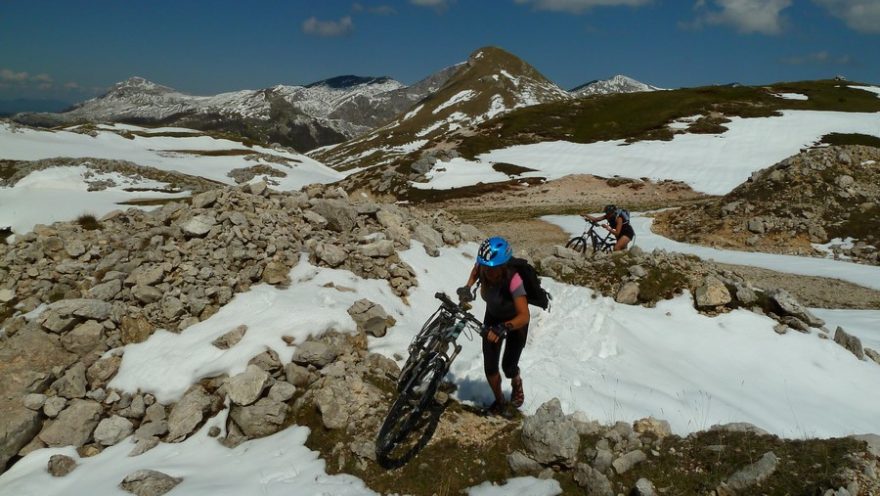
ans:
x=493 y=252
x=610 y=209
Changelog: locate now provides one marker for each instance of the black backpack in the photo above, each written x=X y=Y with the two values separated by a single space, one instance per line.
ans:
x=535 y=294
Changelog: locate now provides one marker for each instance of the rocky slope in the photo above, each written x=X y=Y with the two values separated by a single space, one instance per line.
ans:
x=814 y=197
x=88 y=292
x=303 y=117
x=616 y=84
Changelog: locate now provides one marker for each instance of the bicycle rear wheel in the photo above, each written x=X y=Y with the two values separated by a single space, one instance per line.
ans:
x=410 y=411
x=578 y=244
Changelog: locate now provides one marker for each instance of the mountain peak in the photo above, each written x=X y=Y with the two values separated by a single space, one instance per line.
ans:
x=615 y=84
x=136 y=84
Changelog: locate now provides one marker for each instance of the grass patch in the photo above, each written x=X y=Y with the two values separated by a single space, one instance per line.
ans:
x=88 y=222
x=850 y=139
x=7 y=169
x=703 y=460
x=416 y=195
x=152 y=202
x=708 y=125
x=214 y=153
x=637 y=116
x=511 y=169
x=661 y=285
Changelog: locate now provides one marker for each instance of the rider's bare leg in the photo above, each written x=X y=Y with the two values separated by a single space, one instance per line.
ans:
x=495 y=384
x=621 y=243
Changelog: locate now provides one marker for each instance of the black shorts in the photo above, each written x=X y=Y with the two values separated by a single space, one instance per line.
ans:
x=627 y=231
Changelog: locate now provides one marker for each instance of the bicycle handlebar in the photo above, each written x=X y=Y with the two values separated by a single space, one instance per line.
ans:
x=458 y=309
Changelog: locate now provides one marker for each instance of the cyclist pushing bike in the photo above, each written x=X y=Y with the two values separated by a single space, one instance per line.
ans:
x=619 y=219
x=507 y=317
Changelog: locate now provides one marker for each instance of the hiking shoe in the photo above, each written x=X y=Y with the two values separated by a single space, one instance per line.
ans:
x=517 y=396
x=496 y=408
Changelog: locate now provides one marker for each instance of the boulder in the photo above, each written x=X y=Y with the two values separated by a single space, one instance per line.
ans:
x=54 y=406
x=60 y=465
x=84 y=338
x=246 y=387
x=74 y=425
x=712 y=293
x=626 y=462
x=198 y=226
x=189 y=413
x=851 y=343
x=754 y=473
x=86 y=308
x=628 y=293
x=231 y=338
x=371 y=317
x=112 y=430
x=106 y=291
x=18 y=425
x=521 y=464
x=593 y=481
x=739 y=427
x=136 y=330
x=341 y=216
x=330 y=254
x=788 y=305
x=654 y=427
x=276 y=273
x=315 y=353
x=429 y=237
x=549 y=436
x=73 y=383
x=383 y=248
x=261 y=419
x=149 y=483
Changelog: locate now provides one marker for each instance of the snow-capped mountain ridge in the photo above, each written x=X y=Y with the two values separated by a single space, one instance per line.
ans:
x=616 y=84
x=321 y=113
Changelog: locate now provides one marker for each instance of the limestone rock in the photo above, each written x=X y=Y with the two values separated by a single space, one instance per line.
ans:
x=188 y=413
x=315 y=353
x=628 y=293
x=549 y=436
x=149 y=483
x=263 y=418
x=626 y=462
x=712 y=293
x=61 y=465
x=74 y=425
x=371 y=317
x=851 y=343
x=753 y=474
x=231 y=338
x=112 y=430
x=246 y=387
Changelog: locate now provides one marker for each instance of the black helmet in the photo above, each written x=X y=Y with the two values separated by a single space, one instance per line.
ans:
x=610 y=209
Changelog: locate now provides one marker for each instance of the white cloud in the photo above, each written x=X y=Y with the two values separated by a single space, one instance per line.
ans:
x=373 y=9
x=440 y=4
x=822 y=57
x=342 y=27
x=860 y=15
x=8 y=75
x=44 y=78
x=747 y=16
x=578 y=6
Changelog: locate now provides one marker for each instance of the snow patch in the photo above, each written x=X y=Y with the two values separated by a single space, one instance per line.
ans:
x=461 y=96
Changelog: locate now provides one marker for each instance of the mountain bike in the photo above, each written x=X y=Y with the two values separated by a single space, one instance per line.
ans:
x=431 y=354
x=591 y=237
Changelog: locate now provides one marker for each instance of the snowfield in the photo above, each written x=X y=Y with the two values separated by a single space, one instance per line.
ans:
x=710 y=163
x=61 y=193
x=164 y=153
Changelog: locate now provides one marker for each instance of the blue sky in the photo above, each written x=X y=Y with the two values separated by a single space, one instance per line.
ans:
x=73 y=49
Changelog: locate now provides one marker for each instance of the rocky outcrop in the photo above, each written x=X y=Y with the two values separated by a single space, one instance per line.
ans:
x=816 y=197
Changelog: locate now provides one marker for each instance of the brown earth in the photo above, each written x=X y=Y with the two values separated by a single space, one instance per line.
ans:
x=493 y=214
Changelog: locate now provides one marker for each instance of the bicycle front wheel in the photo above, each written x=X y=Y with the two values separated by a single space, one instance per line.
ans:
x=411 y=408
x=578 y=244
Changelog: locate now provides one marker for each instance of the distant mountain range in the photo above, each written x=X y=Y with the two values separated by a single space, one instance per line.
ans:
x=303 y=117
x=326 y=112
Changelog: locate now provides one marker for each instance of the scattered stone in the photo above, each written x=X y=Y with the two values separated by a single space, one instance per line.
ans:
x=149 y=483
x=188 y=413
x=263 y=418
x=112 y=430
x=371 y=317
x=657 y=428
x=231 y=338
x=246 y=387
x=851 y=343
x=739 y=427
x=61 y=465
x=644 y=487
x=626 y=462
x=34 y=401
x=74 y=425
x=753 y=474
x=712 y=293
x=593 y=481
x=521 y=464
x=53 y=406
x=315 y=353
x=628 y=293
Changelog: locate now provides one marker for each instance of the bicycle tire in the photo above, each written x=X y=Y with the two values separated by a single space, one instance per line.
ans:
x=406 y=411
x=578 y=243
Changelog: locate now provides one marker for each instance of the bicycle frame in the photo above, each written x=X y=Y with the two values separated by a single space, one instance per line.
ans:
x=599 y=243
